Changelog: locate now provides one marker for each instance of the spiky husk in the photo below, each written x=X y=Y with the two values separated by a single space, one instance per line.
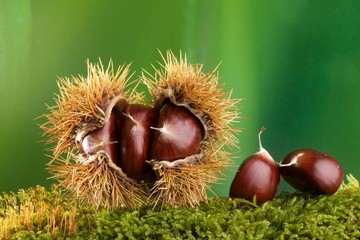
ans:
x=84 y=100
x=84 y=104
x=100 y=183
x=186 y=85
x=186 y=183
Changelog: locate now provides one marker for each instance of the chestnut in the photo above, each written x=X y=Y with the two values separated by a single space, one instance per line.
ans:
x=103 y=139
x=257 y=176
x=311 y=170
x=178 y=134
x=135 y=135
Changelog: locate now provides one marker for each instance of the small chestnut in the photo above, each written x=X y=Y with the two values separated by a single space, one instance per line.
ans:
x=102 y=139
x=257 y=176
x=311 y=170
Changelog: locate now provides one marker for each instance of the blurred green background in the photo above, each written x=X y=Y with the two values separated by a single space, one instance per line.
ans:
x=297 y=63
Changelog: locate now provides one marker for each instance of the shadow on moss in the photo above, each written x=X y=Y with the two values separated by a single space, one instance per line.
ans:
x=36 y=213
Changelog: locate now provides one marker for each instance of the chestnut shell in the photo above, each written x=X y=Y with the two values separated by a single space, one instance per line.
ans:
x=311 y=170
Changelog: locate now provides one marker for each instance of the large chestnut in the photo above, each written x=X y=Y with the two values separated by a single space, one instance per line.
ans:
x=257 y=176
x=135 y=136
x=311 y=170
x=178 y=134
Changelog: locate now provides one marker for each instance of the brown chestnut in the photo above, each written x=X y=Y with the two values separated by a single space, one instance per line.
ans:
x=138 y=133
x=134 y=139
x=311 y=170
x=103 y=139
x=257 y=176
x=177 y=134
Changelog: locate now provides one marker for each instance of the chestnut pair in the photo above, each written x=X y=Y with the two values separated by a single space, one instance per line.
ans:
x=304 y=169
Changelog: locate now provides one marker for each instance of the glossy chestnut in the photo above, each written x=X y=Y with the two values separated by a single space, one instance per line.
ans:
x=103 y=139
x=311 y=170
x=177 y=134
x=257 y=176
x=137 y=133
x=134 y=139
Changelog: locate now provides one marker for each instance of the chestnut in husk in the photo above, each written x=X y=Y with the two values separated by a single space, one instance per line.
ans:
x=311 y=170
x=257 y=176
x=86 y=125
x=113 y=150
x=192 y=132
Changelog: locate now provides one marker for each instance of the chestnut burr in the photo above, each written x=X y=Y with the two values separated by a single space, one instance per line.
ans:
x=311 y=170
x=193 y=130
x=121 y=153
x=257 y=176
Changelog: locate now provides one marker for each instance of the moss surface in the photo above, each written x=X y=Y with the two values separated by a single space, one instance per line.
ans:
x=36 y=213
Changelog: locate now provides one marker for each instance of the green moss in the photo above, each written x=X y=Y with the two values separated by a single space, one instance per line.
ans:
x=288 y=216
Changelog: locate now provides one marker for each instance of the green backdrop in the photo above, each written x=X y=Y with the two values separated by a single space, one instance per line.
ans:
x=297 y=63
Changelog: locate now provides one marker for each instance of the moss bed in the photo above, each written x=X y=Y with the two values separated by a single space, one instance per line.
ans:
x=37 y=213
